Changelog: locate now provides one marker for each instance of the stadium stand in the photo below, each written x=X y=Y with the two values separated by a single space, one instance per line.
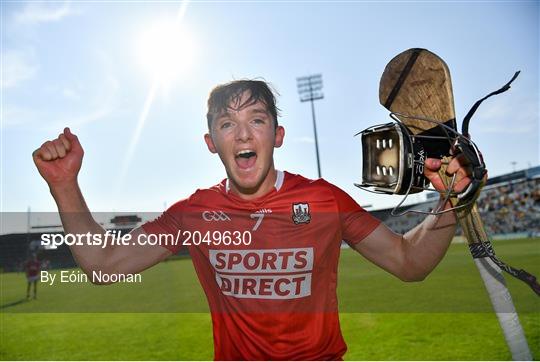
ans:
x=512 y=206
x=509 y=204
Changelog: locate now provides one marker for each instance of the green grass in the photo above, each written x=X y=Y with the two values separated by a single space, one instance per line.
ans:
x=446 y=317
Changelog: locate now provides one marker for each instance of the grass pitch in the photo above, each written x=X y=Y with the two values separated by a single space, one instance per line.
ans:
x=446 y=317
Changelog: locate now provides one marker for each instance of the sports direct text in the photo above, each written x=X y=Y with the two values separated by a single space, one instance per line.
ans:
x=119 y=238
x=264 y=273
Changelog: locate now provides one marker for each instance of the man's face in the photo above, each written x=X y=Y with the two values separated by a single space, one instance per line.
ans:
x=245 y=139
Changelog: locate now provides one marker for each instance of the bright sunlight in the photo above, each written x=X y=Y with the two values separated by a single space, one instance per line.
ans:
x=165 y=50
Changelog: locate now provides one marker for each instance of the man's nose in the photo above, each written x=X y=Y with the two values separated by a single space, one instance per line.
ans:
x=243 y=132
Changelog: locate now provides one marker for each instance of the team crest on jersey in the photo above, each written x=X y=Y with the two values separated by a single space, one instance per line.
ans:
x=300 y=213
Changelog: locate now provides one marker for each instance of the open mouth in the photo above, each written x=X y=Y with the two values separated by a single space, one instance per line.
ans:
x=245 y=159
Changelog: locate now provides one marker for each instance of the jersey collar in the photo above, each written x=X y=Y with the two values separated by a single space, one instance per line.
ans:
x=277 y=185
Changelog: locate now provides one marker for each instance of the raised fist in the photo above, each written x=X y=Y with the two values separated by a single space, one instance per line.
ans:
x=59 y=161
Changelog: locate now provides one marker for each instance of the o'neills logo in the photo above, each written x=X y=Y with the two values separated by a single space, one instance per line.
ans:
x=264 y=273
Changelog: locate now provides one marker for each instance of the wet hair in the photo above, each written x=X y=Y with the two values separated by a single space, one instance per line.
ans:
x=223 y=95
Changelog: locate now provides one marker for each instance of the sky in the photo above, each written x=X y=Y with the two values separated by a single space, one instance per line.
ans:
x=92 y=66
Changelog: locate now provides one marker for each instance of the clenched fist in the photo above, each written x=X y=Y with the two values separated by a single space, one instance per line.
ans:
x=59 y=161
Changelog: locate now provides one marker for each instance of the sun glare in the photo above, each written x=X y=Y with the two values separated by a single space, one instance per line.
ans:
x=165 y=51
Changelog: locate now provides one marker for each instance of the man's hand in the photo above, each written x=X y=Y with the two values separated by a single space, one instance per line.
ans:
x=459 y=166
x=59 y=161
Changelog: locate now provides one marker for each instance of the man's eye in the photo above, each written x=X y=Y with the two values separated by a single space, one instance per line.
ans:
x=258 y=121
x=225 y=125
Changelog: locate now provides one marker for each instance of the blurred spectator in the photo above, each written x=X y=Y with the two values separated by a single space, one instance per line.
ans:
x=32 y=268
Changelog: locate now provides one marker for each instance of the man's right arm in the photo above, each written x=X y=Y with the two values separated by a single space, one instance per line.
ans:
x=59 y=162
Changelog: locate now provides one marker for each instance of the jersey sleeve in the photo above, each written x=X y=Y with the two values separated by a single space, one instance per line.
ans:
x=356 y=223
x=169 y=223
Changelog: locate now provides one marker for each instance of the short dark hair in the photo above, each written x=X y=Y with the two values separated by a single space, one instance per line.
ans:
x=222 y=95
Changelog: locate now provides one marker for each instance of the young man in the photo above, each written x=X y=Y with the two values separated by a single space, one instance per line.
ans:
x=269 y=240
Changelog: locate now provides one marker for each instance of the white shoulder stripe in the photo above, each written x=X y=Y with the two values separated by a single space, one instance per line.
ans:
x=279 y=180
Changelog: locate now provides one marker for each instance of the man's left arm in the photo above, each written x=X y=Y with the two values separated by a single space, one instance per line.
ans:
x=412 y=256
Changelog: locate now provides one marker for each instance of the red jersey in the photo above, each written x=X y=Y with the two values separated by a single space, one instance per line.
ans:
x=32 y=268
x=273 y=297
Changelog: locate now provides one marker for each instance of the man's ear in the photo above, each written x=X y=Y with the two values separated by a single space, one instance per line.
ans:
x=280 y=134
x=210 y=143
